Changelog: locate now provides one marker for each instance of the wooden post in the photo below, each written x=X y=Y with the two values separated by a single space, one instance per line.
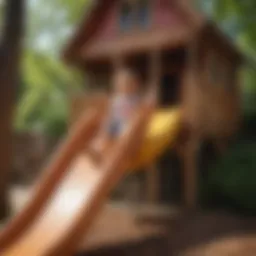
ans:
x=190 y=172
x=155 y=71
x=10 y=50
x=153 y=184
x=153 y=175
x=118 y=61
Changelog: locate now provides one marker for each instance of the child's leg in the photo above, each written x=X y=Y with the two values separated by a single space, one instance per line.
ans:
x=100 y=146
x=95 y=150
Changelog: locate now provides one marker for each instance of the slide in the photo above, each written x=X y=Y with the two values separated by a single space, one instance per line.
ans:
x=161 y=132
x=74 y=187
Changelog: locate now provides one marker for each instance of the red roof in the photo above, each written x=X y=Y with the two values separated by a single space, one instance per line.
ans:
x=94 y=17
x=88 y=25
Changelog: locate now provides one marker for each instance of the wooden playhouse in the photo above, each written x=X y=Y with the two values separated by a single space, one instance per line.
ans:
x=193 y=64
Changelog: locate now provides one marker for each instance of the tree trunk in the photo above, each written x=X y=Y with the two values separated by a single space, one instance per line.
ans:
x=10 y=50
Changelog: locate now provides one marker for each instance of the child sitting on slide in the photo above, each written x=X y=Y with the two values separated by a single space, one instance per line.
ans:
x=124 y=102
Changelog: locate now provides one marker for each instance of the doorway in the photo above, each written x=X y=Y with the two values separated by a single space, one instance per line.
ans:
x=169 y=91
x=173 y=64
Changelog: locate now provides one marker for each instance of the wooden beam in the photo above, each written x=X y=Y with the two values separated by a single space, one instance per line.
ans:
x=153 y=175
x=140 y=42
x=190 y=172
x=118 y=62
x=153 y=184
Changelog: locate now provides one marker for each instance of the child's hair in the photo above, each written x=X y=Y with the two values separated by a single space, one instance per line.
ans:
x=127 y=72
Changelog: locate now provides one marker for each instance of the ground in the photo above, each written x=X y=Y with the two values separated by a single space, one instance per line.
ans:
x=213 y=234
x=194 y=234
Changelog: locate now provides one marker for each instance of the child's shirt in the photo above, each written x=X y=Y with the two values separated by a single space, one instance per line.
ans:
x=121 y=110
x=123 y=107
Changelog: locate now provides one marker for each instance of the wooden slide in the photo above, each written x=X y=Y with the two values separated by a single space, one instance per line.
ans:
x=71 y=192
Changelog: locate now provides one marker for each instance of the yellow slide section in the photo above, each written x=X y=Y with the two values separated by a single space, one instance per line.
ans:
x=161 y=132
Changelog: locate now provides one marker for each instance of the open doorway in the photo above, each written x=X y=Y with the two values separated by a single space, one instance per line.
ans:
x=139 y=64
x=173 y=62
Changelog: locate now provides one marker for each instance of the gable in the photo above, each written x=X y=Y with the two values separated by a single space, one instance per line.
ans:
x=104 y=23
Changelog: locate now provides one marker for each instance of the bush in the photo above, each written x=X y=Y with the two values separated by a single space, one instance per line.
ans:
x=231 y=183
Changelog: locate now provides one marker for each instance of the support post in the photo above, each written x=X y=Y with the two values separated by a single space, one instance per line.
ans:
x=153 y=174
x=118 y=61
x=190 y=172
x=153 y=184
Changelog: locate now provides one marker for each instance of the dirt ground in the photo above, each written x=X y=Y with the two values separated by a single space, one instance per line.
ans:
x=191 y=234
x=119 y=224
x=197 y=234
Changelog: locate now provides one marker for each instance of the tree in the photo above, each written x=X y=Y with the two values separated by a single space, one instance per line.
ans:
x=46 y=82
x=10 y=52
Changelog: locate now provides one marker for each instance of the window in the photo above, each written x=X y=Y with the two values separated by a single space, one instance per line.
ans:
x=126 y=17
x=134 y=14
x=143 y=13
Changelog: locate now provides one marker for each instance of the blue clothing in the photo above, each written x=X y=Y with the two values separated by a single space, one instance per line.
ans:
x=120 y=113
x=114 y=128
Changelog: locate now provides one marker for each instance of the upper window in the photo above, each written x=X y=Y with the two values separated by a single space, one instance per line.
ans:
x=143 y=13
x=134 y=13
x=126 y=16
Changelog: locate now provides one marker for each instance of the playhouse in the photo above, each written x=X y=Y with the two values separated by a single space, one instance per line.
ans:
x=194 y=70
x=192 y=63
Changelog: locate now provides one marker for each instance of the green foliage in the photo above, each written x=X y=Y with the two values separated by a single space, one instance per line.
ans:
x=46 y=83
x=50 y=24
x=240 y=12
x=232 y=181
x=238 y=20
x=44 y=94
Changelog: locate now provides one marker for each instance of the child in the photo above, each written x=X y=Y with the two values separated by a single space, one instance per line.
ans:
x=125 y=101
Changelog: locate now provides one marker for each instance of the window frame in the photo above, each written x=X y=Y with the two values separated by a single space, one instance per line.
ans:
x=146 y=24
x=120 y=16
x=136 y=24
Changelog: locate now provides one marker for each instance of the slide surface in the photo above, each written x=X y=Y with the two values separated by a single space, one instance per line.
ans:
x=67 y=211
x=51 y=176
x=161 y=132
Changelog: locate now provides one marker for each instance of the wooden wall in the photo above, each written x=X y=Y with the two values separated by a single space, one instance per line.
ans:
x=210 y=102
x=211 y=93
